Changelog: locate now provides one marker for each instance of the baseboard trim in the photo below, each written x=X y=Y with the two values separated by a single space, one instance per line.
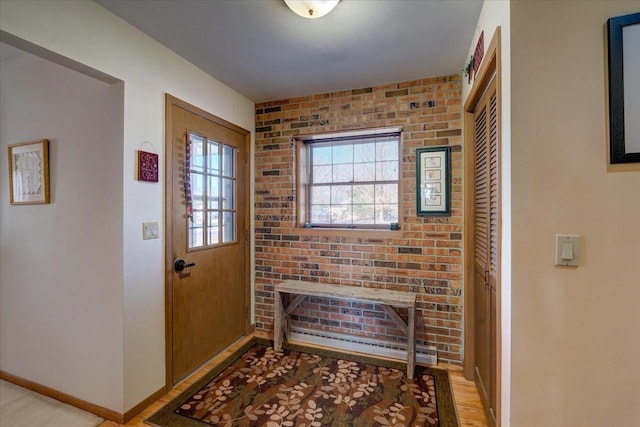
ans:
x=136 y=410
x=425 y=355
x=100 y=411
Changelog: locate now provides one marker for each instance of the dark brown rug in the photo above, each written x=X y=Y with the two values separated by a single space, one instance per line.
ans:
x=309 y=387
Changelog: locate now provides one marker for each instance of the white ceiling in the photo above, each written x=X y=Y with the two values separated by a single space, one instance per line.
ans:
x=266 y=52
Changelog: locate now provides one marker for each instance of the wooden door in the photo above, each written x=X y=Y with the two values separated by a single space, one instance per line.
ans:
x=485 y=247
x=207 y=242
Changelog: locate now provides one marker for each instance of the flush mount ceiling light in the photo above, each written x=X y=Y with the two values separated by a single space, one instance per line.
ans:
x=311 y=8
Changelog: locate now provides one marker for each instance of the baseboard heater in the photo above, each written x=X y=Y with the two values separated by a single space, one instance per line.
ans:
x=427 y=355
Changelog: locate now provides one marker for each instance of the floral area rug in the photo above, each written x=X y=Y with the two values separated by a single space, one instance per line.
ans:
x=309 y=387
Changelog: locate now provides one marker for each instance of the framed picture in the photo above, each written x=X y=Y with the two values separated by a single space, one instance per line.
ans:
x=433 y=181
x=29 y=172
x=623 y=34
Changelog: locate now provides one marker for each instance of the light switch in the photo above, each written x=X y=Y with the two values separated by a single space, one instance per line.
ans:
x=567 y=250
x=150 y=230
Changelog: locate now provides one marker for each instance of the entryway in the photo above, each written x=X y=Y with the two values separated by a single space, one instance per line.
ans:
x=207 y=248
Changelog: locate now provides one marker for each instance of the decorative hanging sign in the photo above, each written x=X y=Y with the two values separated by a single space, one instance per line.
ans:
x=478 y=54
x=147 y=165
x=471 y=69
x=187 y=176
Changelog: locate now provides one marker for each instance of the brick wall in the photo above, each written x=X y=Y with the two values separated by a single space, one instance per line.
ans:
x=425 y=257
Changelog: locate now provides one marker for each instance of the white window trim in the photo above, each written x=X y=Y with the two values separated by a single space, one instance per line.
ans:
x=302 y=175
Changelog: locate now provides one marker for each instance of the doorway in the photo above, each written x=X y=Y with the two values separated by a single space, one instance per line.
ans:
x=207 y=242
x=483 y=233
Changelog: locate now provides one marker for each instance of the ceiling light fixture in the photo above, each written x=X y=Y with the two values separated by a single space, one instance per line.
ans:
x=311 y=8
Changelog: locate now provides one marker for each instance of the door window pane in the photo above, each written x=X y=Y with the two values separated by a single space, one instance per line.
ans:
x=196 y=230
x=197 y=153
x=228 y=161
x=213 y=158
x=228 y=194
x=213 y=228
x=197 y=190
x=228 y=227
x=213 y=193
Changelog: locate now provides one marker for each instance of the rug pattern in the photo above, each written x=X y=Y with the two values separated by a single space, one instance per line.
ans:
x=291 y=388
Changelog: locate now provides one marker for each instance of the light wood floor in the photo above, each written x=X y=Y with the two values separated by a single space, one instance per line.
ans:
x=20 y=407
x=465 y=393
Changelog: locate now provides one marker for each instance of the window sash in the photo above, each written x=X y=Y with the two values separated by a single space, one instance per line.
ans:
x=377 y=221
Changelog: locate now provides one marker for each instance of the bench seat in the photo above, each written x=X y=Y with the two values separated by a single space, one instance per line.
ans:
x=387 y=299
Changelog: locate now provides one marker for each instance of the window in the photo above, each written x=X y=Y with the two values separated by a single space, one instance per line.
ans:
x=212 y=175
x=350 y=180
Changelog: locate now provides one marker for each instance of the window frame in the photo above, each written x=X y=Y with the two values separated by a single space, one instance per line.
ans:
x=304 y=177
x=220 y=210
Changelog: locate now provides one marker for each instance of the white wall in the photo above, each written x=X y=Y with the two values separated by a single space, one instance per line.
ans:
x=575 y=332
x=87 y=33
x=60 y=264
x=495 y=13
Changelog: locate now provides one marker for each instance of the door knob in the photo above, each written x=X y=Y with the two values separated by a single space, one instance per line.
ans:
x=180 y=264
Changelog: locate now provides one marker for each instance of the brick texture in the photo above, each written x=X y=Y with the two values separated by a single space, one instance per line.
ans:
x=425 y=257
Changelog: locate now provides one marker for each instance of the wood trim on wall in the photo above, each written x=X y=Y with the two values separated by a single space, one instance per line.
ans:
x=168 y=242
x=136 y=410
x=63 y=397
x=490 y=66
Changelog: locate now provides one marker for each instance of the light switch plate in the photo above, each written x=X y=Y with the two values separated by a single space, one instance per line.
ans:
x=150 y=230
x=567 y=250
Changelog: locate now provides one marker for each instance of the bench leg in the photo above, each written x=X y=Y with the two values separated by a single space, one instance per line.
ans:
x=411 y=345
x=278 y=326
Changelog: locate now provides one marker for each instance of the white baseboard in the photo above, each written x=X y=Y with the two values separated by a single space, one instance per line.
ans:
x=427 y=355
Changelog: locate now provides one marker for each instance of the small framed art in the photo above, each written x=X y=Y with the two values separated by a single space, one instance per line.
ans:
x=147 y=166
x=29 y=172
x=433 y=181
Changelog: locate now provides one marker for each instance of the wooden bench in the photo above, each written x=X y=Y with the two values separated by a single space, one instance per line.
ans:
x=387 y=299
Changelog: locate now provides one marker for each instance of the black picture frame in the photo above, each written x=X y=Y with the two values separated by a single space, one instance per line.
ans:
x=433 y=181
x=619 y=150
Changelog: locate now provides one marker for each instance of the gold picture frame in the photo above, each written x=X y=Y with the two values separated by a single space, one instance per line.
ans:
x=29 y=172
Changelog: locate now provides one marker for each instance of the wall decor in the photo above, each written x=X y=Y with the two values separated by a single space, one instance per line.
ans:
x=623 y=34
x=433 y=181
x=147 y=165
x=29 y=172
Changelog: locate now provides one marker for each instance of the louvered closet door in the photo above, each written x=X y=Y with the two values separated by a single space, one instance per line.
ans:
x=486 y=217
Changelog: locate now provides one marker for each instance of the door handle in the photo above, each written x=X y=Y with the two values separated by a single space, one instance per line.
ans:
x=180 y=264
